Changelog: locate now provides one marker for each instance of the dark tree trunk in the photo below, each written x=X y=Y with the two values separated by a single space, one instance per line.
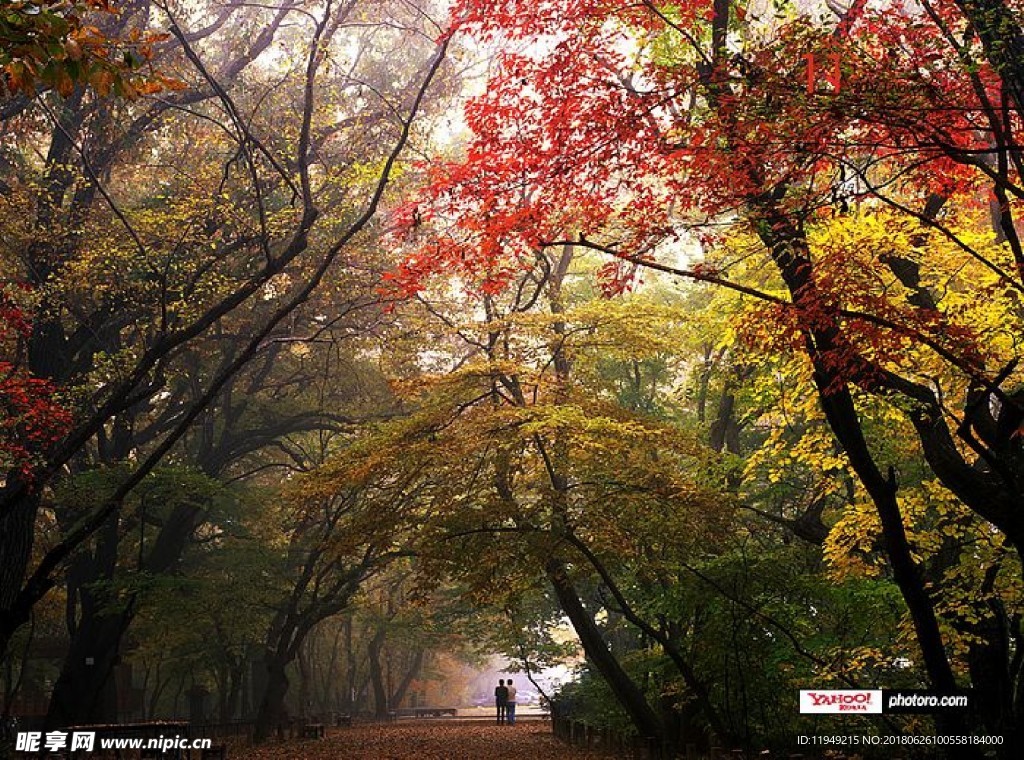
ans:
x=625 y=690
x=305 y=686
x=293 y=625
x=17 y=532
x=410 y=676
x=86 y=690
x=272 y=712
x=158 y=689
x=327 y=697
x=98 y=634
x=236 y=679
x=724 y=434
x=994 y=671
x=380 y=690
x=348 y=699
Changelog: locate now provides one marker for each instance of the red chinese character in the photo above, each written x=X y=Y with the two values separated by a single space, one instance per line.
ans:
x=832 y=76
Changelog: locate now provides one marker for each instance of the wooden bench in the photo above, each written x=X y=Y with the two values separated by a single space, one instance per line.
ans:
x=314 y=731
x=343 y=719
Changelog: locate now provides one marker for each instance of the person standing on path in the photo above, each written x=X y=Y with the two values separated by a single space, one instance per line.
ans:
x=501 y=699
x=510 y=703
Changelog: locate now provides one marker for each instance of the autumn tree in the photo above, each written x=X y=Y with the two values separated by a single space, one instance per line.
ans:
x=528 y=460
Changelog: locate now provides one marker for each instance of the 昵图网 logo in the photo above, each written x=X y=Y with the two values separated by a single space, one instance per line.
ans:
x=840 y=701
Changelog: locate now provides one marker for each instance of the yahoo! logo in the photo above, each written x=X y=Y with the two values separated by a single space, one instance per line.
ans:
x=840 y=700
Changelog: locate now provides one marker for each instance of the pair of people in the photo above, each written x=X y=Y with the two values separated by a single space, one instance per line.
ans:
x=505 y=701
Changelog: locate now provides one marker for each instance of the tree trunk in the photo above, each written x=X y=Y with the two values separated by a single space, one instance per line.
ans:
x=272 y=712
x=724 y=434
x=348 y=699
x=409 y=677
x=304 y=698
x=86 y=690
x=236 y=678
x=823 y=343
x=380 y=691
x=17 y=532
x=625 y=690
x=158 y=689
x=78 y=693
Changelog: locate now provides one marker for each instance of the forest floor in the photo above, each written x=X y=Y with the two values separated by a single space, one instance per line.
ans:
x=424 y=740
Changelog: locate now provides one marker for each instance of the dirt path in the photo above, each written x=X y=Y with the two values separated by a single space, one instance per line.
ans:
x=425 y=740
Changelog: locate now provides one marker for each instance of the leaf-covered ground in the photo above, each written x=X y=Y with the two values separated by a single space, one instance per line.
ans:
x=425 y=740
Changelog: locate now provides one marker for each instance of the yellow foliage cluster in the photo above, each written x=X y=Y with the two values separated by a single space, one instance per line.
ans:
x=971 y=330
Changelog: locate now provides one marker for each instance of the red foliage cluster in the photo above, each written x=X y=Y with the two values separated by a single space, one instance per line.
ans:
x=619 y=124
x=30 y=419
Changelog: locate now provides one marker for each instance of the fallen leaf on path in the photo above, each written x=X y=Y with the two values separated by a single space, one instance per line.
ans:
x=424 y=740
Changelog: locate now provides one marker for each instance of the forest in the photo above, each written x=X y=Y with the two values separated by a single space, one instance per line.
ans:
x=347 y=346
